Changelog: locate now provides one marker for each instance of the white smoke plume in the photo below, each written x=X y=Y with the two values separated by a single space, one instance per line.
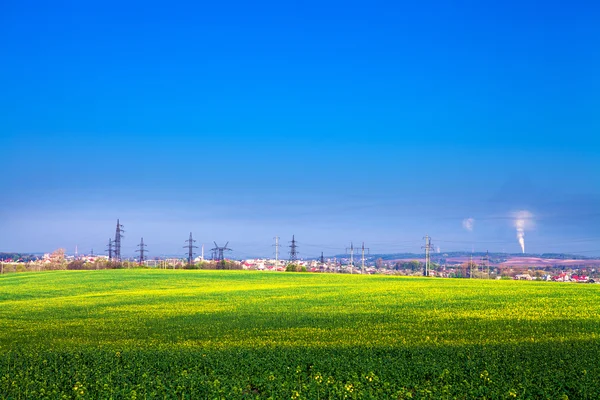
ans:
x=523 y=220
x=468 y=224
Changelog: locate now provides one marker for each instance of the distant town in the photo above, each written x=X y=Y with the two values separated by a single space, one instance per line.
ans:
x=551 y=267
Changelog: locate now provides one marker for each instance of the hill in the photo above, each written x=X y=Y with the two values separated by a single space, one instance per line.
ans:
x=559 y=260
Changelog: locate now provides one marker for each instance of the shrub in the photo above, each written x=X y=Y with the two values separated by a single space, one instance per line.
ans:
x=76 y=265
x=295 y=268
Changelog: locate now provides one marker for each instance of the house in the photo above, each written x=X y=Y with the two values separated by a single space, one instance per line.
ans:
x=523 y=277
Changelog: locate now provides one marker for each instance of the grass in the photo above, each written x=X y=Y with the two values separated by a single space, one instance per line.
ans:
x=232 y=334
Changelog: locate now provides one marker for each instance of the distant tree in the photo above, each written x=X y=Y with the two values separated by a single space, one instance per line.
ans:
x=8 y=257
x=468 y=268
x=295 y=268
x=408 y=266
x=228 y=264
x=379 y=263
x=207 y=265
x=415 y=266
x=113 y=265
x=76 y=265
x=57 y=259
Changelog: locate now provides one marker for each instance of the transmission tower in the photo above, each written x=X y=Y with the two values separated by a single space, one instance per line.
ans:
x=351 y=256
x=485 y=262
x=428 y=247
x=277 y=246
x=362 y=259
x=293 y=251
x=219 y=252
x=322 y=263
x=110 y=249
x=141 y=250
x=190 y=246
x=118 y=237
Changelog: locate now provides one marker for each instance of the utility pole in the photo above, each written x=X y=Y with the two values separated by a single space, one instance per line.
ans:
x=141 y=250
x=471 y=267
x=92 y=253
x=427 y=248
x=276 y=250
x=351 y=256
x=190 y=246
x=202 y=256
x=293 y=250
x=363 y=257
x=118 y=237
x=110 y=249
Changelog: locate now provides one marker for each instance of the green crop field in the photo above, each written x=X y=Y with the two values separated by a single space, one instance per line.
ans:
x=141 y=334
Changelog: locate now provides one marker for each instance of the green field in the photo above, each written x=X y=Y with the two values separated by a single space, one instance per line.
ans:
x=140 y=334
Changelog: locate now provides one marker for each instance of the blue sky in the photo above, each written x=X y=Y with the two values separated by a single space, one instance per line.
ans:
x=337 y=122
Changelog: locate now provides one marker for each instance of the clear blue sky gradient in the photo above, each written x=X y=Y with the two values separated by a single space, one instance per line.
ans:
x=337 y=122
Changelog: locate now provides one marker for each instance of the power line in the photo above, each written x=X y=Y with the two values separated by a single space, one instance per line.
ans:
x=319 y=246
x=293 y=251
x=218 y=252
x=110 y=249
x=351 y=256
x=141 y=250
x=276 y=250
x=190 y=246
x=470 y=269
x=586 y=251
x=486 y=262
x=363 y=257
x=118 y=237
x=428 y=247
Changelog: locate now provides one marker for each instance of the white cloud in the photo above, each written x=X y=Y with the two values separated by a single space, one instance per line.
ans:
x=468 y=224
